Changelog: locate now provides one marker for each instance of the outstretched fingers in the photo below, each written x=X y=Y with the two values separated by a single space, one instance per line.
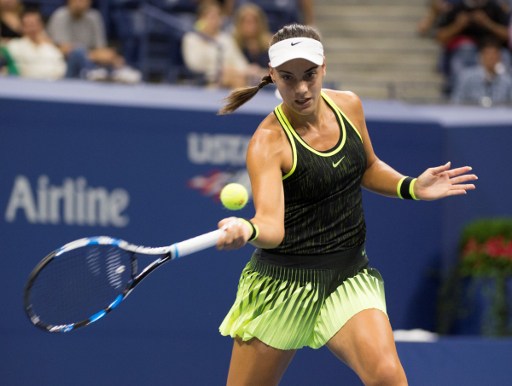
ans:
x=460 y=183
x=459 y=179
x=441 y=181
x=459 y=171
x=457 y=190
x=440 y=169
x=463 y=179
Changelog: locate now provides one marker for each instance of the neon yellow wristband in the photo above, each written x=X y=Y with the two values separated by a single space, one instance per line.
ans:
x=405 y=188
x=255 y=230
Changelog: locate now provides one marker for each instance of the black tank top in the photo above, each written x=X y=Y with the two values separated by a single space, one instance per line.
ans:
x=322 y=191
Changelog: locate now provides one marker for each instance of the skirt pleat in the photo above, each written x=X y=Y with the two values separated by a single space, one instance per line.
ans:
x=290 y=308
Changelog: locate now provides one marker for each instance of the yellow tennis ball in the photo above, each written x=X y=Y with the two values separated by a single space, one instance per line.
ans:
x=234 y=196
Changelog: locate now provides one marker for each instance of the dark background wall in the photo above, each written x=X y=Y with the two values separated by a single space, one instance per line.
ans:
x=167 y=151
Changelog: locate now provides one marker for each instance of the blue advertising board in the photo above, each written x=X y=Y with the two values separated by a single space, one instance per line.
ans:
x=146 y=164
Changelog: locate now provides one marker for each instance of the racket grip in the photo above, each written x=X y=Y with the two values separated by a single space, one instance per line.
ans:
x=195 y=244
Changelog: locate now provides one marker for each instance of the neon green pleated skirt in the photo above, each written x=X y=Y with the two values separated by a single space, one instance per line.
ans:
x=290 y=308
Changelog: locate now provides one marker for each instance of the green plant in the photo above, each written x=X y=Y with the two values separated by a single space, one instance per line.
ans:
x=486 y=248
x=484 y=264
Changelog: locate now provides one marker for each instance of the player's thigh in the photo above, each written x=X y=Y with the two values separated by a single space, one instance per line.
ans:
x=366 y=344
x=255 y=363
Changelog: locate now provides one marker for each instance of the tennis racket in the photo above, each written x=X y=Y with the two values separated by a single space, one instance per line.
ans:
x=84 y=280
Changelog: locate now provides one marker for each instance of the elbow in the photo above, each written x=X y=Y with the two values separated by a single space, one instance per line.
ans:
x=278 y=238
x=270 y=238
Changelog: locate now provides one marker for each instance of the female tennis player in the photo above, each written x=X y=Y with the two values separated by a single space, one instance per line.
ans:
x=308 y=282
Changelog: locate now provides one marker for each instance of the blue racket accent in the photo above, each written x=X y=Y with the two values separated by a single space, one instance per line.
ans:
x=103 y=240
x=97 y=316
x=175 y=252
x=116 y=302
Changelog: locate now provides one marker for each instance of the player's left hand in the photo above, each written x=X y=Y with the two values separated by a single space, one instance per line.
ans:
x=442 y=181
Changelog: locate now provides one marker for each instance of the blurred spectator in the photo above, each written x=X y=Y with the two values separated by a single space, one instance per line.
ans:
x=212 y=53
x=463 y=27
x=488 y=83
x=79 y=31
x=34 y=53
x=306 y=10
x=303 y=10
x=434 y=12
x=227 y=6
x=7 y=65
x=506 y=4
x=10 y=19
x=510 y=34
x=251 y=33
x=279 y=12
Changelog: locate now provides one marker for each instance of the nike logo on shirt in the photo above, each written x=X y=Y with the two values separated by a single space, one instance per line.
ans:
x=335 y=164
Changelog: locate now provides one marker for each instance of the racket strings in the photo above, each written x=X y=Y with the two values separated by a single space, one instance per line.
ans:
x=79 y=283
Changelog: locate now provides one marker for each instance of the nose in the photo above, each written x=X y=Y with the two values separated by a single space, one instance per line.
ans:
x=302 y=87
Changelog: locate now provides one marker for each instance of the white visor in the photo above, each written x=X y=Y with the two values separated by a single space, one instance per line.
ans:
x=296 y=48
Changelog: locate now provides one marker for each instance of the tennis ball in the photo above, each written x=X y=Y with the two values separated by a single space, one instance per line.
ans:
x=234 y=196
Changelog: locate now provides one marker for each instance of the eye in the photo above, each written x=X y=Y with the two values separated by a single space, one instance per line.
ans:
x=310 y=75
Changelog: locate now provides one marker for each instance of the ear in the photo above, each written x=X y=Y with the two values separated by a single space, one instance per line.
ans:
x=272 y=73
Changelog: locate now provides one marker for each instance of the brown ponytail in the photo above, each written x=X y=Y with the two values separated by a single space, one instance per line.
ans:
x=241 y=95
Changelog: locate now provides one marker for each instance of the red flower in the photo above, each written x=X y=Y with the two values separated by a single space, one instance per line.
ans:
x=498 y=247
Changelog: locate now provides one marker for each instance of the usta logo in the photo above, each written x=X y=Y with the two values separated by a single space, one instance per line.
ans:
x=217 y=149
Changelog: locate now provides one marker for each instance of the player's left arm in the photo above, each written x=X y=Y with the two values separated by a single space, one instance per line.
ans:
x=379 y=177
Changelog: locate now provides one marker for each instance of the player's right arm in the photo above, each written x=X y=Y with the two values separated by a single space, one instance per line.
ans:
x=268 y=154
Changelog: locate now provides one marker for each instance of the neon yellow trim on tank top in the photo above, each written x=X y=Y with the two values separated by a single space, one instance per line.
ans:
x=286 y=126
x=298 y=137
x=291 y=133
x=338 y=112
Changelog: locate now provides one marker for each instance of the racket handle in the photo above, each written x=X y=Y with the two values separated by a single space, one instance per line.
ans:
x=195 y=244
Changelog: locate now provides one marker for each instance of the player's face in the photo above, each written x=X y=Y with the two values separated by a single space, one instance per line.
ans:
x=299 y=82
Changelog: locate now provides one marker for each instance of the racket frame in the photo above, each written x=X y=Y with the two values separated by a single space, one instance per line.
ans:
x=166 y=254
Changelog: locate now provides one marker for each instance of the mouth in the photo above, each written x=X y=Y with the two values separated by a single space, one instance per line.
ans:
x=303 y=102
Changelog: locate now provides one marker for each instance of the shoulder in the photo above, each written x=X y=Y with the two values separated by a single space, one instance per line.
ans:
x=269 y=132
x=269 y=129
x=192 y=37
x=61 y=13
x=348 y=102
x=94 y=14
x=225 y=36
x=343 y=97
x=16 y=43
x=227 y=40
x=268 y=146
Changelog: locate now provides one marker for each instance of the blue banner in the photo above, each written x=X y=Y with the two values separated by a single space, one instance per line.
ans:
x=146 y=165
